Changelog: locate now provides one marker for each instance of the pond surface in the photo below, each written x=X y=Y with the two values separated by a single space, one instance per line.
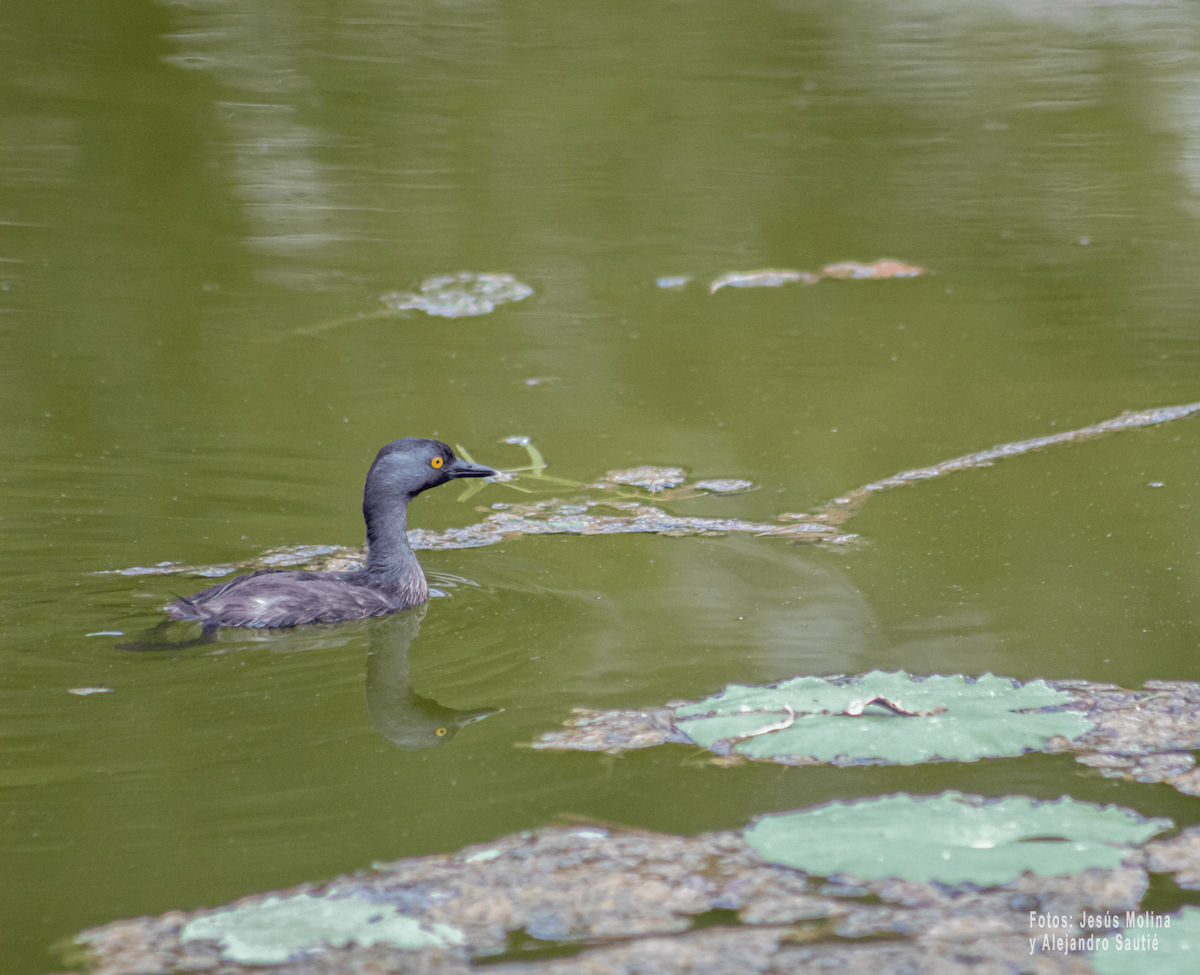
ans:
x=201 y=206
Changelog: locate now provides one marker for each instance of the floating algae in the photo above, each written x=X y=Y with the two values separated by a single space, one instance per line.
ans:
x=459 y=295
x=653 y=479
x=575 y=517
x=604 y=898
x=446 y=296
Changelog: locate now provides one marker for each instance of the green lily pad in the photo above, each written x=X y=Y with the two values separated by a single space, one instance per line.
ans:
x=951 y=838
x=272 y=931
x=1152 y=949
x=883 y=717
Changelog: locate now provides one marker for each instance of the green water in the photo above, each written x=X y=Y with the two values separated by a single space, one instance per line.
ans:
x=184 y=188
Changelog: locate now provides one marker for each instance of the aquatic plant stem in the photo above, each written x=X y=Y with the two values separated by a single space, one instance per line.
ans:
x=841 y=509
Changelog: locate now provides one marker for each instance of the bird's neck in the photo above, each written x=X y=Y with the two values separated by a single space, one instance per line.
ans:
x=391 y=563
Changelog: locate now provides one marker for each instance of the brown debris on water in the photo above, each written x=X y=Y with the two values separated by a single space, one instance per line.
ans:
x=843 y=270
x=852 y=270
x=600 y=900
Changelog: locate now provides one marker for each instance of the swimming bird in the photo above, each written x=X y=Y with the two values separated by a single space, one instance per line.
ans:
x=392 y=578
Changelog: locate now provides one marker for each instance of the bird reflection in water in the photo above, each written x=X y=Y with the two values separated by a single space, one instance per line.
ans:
x=400 y=715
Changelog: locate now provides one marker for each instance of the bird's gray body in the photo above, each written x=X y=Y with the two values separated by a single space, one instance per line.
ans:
x=273 y=599
x=391 y=580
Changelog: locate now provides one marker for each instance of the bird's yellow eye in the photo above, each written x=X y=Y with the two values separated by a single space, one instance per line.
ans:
x=436 y=462
x=441 y=732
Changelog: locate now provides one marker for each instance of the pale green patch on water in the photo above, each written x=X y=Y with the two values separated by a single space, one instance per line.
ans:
x=951 y=838
x=274 y=930
x=883 y=717
x=1154 y=950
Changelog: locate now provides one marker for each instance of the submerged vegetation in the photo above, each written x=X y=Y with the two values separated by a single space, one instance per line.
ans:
x=630 y=488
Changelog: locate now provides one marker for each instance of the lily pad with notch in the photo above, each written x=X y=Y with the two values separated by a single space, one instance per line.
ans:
x=1146 y=735
x=882 y=718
